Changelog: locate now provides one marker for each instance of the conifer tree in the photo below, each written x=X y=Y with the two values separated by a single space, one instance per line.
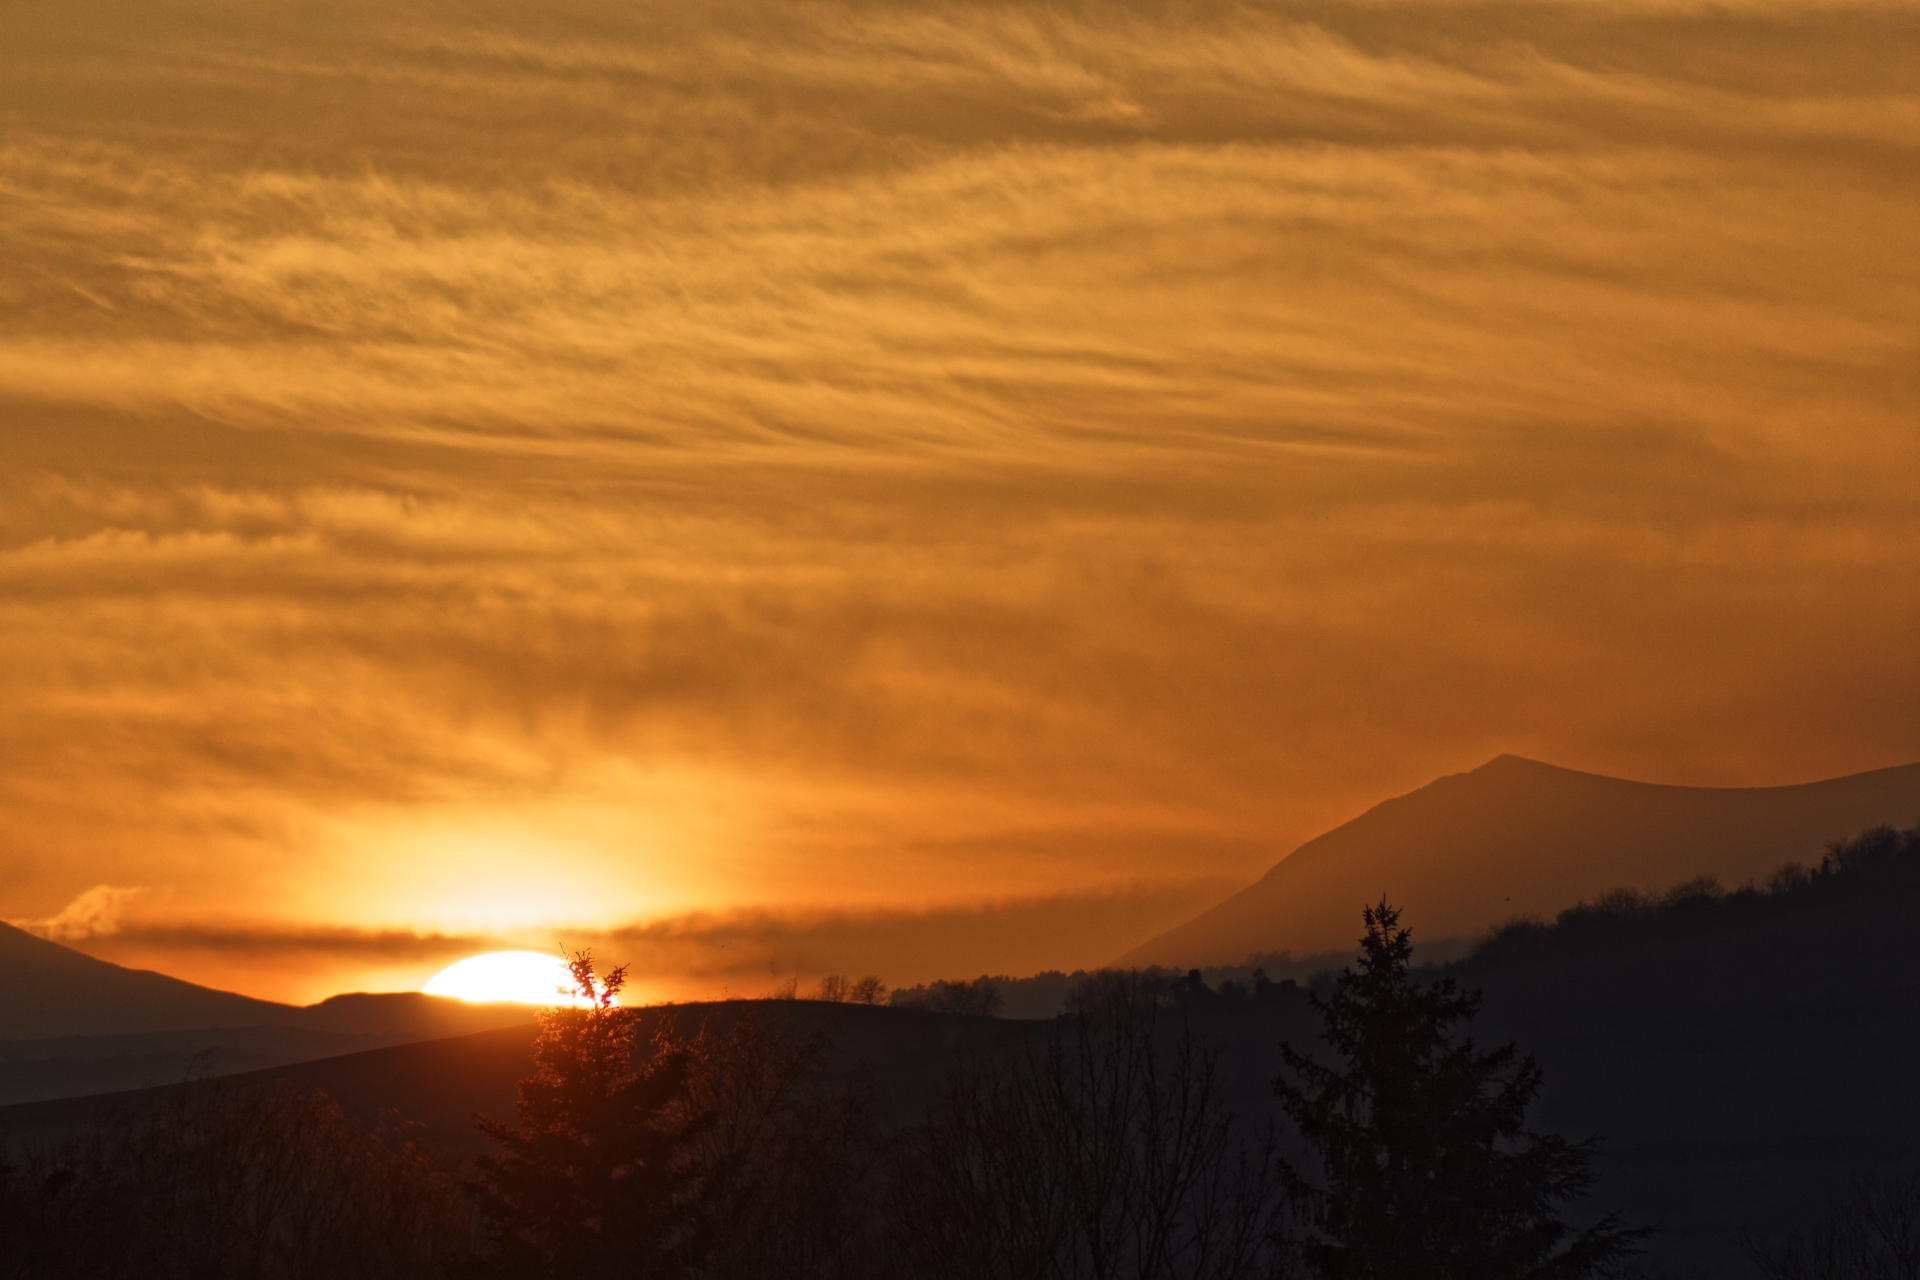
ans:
x=591 y=1182
x=1429 y=1171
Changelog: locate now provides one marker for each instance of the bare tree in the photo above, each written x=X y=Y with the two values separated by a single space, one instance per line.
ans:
x=1102 y=1153
x=1875 y=1235
x=219 y=1181
x=789 y=1162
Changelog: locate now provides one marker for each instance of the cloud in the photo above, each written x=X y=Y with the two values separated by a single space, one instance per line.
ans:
x=703 y=954
x=93 y=914
x=598 y=463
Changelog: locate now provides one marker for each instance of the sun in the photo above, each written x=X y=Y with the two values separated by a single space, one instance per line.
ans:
x=516 y=977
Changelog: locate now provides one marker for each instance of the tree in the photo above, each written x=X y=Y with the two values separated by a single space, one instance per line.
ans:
x=592 y=1181
x=980 y=998
x=224 y=1180
x=1104 y=1151
x=1429 y=1171
x=790 y=1163
x=1873 y=1235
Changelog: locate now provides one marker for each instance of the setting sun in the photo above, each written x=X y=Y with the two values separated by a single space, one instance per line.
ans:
x=518 y=977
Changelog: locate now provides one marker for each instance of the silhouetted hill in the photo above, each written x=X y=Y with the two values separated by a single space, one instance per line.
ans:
x=73 y=1025
x=1742 y=1055
x=1747 y=1055
x=49 y=990
x=442 y=1083
x=1517 y=837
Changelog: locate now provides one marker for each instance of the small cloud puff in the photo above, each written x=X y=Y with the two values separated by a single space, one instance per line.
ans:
x=93 y=914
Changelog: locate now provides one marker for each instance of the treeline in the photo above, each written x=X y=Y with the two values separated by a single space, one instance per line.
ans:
x=1100 y=1146
x=217 y=1181
x=1791 y=934
x=1103 y=1149
x=1046 y=994
x=727 y=1154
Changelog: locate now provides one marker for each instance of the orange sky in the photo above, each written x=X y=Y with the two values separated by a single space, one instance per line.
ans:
x=915 y=487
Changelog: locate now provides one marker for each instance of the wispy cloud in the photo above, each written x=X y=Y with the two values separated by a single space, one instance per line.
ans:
x=92 y=914
x=692 y=955
x=596 y=463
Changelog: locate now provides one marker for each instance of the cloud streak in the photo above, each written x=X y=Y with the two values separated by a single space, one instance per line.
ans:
x=743 y=952
x=471 y=470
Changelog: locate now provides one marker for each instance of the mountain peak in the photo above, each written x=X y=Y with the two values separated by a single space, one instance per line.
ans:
x=1527 y=838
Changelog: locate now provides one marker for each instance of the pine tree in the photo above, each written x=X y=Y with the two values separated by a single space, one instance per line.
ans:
x=592 y=1181
x=1429 y=1171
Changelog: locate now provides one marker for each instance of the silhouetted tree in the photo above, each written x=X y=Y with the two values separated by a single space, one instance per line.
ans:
x=1429 y=1172
x=593 y=1180
x=980 y=998
x=1105 y=1152
x=787 y=1165
x=1874 y=1235
x=222 y=1181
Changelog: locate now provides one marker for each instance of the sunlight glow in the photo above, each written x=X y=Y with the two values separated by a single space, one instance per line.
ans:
x=518 y=977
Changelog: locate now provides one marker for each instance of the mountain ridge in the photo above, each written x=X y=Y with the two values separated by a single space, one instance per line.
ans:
x=1517 y=837
x=72 y=1024
x=51 y=990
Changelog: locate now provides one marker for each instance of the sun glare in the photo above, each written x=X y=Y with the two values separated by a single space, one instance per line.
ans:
x=517 y=977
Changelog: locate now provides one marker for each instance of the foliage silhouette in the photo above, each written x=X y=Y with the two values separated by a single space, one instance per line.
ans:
x=838 y=989
x=717 y=1155
x=593 y=1180
x=1429 y=1171
x=788 y=1166
x=1873 y=1235
x=222 y=1182
x=980 y=998
x=1103 y=1153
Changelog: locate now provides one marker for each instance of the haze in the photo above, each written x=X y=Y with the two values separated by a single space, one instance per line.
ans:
x=939 y=485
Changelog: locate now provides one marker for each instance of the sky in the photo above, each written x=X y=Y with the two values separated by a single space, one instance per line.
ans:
x=916 y=488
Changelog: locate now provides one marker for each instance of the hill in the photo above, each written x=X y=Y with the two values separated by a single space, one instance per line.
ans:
x=48 y=990
x=1743 y=1055
x=442 y=1083
x=73 y=1025
x=1747 y=1055
x=1516 y=837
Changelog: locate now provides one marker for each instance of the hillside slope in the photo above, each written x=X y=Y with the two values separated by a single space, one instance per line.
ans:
x=1517 y=837
x=442 y=1083
x=72 y=1025
x=1744 y=1057
x=49 y=990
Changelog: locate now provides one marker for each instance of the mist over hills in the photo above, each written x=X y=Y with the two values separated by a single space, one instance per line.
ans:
x=1516 y=837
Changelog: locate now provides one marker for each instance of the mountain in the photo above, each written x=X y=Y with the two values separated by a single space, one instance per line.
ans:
x=1516 y=837
x=49 y=990
x=72 y=1025
x=1745 y=1056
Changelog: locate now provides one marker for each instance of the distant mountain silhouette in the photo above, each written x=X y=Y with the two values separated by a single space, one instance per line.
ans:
x=49 y=990
x=71 y=1024
x=1516 y=837
x=1745 y=1055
